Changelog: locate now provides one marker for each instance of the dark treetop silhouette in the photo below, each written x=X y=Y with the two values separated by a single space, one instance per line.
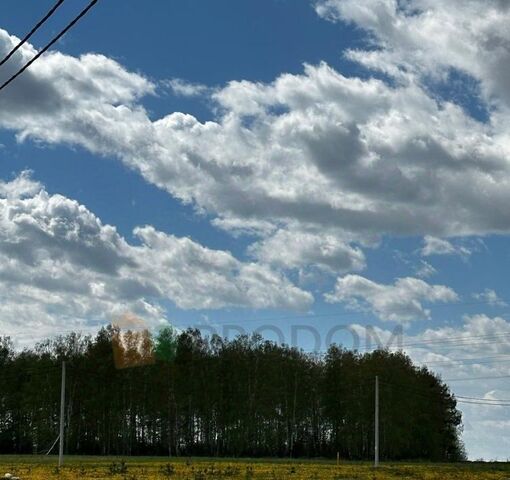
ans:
x=189 y=395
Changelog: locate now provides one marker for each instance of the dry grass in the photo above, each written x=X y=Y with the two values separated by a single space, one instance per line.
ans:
x=88 y=468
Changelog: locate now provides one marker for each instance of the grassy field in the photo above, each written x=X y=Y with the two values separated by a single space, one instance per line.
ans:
x=44 y=468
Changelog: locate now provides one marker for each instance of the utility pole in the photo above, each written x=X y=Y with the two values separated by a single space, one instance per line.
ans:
x=376 y=450
x=62 y=415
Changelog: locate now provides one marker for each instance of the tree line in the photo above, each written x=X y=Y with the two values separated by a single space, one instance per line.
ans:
x=185 y=394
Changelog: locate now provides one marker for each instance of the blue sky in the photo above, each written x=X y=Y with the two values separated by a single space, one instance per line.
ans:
x=251 y=163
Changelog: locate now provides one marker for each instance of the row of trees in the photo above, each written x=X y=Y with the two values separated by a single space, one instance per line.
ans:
x=189 y=395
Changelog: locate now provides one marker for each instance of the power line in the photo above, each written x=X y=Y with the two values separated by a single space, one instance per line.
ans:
x=459 y=398
x=467 y=379
x=438 y=343
x=456 y=340
x=334 y=314
x=475 y=360
x=50 y=44
x=320 y=315
x=466 y=402
x=484 y=399
x=31 y=32
x=450 y=343
x=466 y=361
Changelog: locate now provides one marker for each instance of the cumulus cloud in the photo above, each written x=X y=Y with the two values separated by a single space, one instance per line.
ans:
x=294 y=249
x=490 y=297
x=197 y=277
x=350 y=158
x=478 y=335
x=60 y=266
x=439 y=246
x=353 y=158
x=401 y=302
x=424 y=269
x=429 y=38
x=21 y=186
x=187 y=89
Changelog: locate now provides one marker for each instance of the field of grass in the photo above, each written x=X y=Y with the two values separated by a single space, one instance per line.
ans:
x=89 y=468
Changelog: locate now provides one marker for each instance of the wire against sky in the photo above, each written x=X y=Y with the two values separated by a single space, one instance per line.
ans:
x=467 y=379
x=32 y=31
x=347 y=314
x=458 y=398
x=50 y=44
x=500 y=400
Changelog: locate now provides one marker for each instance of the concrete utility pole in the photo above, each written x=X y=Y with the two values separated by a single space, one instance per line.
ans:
x=376 y=450
x=62 y=415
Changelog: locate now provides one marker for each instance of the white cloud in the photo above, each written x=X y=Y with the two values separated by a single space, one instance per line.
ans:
x=295 y=249
x=197 y=277
x=427 y=38
x=21 y=186
x=425 y=269
x=401 y=302
x=60 y=267
x=438 y=246
x=479 y=335
x=490 y=297
x=187 y=89
x=314 y=152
